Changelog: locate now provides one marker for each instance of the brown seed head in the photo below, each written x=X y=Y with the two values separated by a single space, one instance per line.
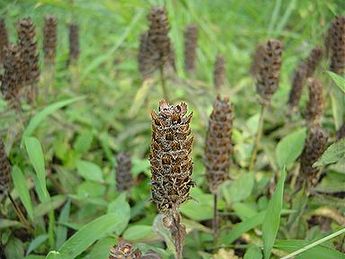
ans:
x=219 y=72
x=170 y=157
x=49 y=39
x=267 y=78
x=218 y=147
x=3 y=40
x=313 y=60
x=314 y=146
x=336 y=45
x=74 y=48
x=257 y=57
x=315 y=105
x=190 y=45
x=124 y=178
x=5 y=170
x=147 y=57
x=297 y=85
x=124 y=250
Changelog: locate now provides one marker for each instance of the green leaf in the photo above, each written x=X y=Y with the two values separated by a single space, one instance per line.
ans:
x=290 y=147
x=61 y=230
x=239 y=189
x=338 y=80
x=40 y=116
x=6 y=223
x=122 y=209
x=139 y=233
x=83 y=142
x=34 y=150
x=90 y=233
x=19 y=182
x=35 y=243
x=49 y=205
x=333 y=153
x=338 y=106
x=90 y=189
x=271 y=222
x=14 y=248
x=101 y=248
x=253 y=252
x=90 y=171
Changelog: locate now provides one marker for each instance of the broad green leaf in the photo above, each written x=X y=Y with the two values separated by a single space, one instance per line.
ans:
x=244 y=211
x=49 y=205
x=253 y=252
x=271 y=222
x=239 y=189
x=139 y=233
x=54 y=255
x=61 y=230
x=90 y=233
x=90 y=171
x=40 y=116
x=290 y=147
x=90 y=189
x=122 y=209
x=333 y=153
x=338 y=106
x=19 y=183
x=83 y=142
x=338 y=80
x=14 y=248
x=101 y=248
x=35 y=152
x=35 y=243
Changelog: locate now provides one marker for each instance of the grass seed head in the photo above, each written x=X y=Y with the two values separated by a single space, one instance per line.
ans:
x=190 y=45
x=219 y=72
x=124 y=178
x=147 y=57
x=298 y=82
x=170 y=157
x=5 y=170
x=74 y=48
x=3 y=40
x=49 y=39
x=336 y=45
x=313 y=60
x=316 y=102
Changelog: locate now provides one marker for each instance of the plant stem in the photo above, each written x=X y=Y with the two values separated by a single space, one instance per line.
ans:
x=215 y=218
x=19 y=213
x=257 y=138
x=164 y=89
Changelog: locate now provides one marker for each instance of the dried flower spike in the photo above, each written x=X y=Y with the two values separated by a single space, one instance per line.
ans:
x=49 y=39
x=219 y=72
x=171 y=163
x=190 y=45
x=313 y=60
x=3 y=40
x=74 y=48
x=267 y=77
x=5 y=170
x=315 y=105
x=257 y=57
x=336 y=45
x=124 y=178
x=147 y=58
x=218 y=146
x=124 y=250
x=314 y=146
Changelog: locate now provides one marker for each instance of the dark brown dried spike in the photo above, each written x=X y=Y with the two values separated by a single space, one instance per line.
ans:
x=147 y=58
x=171 y=162
x=190 y=45
x=219 y=72
x=3 y=40
x=257 y=57
x=218 y=147
x=341 y=132
x=5 y=170
x=124 y=178
x=314 y=146
x=124 y=250
x=337 y=45
x=313 y=60
x=315 y=105
x=74 y=48
x=298 y=82
x=49 y=39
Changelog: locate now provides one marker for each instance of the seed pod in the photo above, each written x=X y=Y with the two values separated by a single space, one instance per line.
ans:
x=74 y=48
x=219 y=72
x=12 y=80
x=171 y=162
x=314 y=146
x=5 y=170
x=336 y=45
x=297 y=85
x=3 y=40
x=315 y=105
x=124 y=250
x=158 y=37
x=267 y=78
x=49 y=39
x=218 y=147
x=124 y=178
x=341 y=132
x=147 y=57
x=190 y=45
x=313 y=60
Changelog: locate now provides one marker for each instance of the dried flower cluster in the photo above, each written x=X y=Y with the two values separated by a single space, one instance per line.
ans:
x=335 y=44
x=315 y=105
x=257 y=57
x=3 y=40
x=5 y=170
x=267 y=77
x=49 y=39
x=146 y=57
x=190 y=45
x=124 y=178
x=124 y=250
x=314 y=146
x=313 y=60
x=74 y=48
x=218 y=146
x=219 y=72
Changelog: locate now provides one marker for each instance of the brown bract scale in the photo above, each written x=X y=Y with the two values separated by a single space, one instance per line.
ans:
x=267 y=77
x=124 y=250
x=170 y=157
x=315 y=105
x=190 y=45
x=74 y=48
x=3 y=40
x=124 y=178
x=218 y=147
x=314 y=146
x=5 y=169
x=49 y=39
x=219 y=72
x=336 y=45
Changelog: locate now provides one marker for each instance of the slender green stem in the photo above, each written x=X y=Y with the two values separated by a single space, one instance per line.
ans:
x=316 y=243
x=257 y=138
x=215 y=218
x=164 y=89
x=19 y=213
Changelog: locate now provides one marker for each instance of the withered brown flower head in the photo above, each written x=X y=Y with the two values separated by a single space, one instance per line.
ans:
x=170 y=157
x=314 y=146
x=158 y=38
x=257 y=57
x=49 y=39
x=190 y=45
x=219 y=72
x=12 y=80
x=147 y=57
x=336 y=45
x=124 y=250
x=313 y=60
x=298 y=82
x=341 y=132
x=28 y=49
x=316 y=103
x=74 y=48
x=5 y=170
x=3 y=40
x=218 y=147
x=267 y=77
x=124 y=178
